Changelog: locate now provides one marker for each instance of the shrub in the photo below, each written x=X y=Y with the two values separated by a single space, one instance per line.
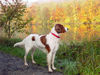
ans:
x=8 y=42
x=79 y=58
x=84 y=54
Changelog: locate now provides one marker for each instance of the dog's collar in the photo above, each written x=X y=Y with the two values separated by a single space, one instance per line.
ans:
x=55 y=35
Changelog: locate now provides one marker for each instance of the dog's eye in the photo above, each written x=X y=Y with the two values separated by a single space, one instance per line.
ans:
x=58 y=29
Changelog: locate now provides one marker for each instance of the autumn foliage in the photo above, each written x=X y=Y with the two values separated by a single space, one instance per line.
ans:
x=82 y=17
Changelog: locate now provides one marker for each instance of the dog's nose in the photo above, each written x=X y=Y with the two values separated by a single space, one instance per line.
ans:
x=67 y=29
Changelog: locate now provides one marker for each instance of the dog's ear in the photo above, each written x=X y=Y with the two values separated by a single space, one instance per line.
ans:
x=59 y=28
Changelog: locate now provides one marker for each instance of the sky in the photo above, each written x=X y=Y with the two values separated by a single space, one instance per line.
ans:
x=42 y=0
x=29 y=2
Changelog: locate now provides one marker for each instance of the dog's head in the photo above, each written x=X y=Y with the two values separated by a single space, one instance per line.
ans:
x=59 y=28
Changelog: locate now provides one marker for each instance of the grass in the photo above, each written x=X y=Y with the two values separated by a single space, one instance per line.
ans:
x=39 y=56
x=85 y=57
x=6 y=45
x=74 y=59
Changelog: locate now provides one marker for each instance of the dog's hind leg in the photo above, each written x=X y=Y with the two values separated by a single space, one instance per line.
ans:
x=32 y=55
x=27 y=49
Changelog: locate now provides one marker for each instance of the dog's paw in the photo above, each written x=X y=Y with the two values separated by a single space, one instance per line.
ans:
x=50 y=70
x=33 y=62
x=26 y=64
x=14 y=45
x=53 y=68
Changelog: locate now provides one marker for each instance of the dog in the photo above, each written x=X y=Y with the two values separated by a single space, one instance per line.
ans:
x=49 y=44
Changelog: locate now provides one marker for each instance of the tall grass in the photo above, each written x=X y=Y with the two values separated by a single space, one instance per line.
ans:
x=78 y=58
x=85 y=57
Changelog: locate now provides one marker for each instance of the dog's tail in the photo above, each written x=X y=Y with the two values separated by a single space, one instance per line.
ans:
x=19 y=44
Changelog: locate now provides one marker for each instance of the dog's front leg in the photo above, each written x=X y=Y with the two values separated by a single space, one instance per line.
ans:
x=53 y=58
x=49 y=56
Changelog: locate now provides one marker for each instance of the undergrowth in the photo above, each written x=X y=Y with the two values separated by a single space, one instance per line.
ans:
x=79 y=58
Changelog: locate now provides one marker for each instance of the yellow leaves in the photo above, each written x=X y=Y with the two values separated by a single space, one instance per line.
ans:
x=48 y=21
x=97 y=18
x=75 y=18
x=67 y=20
x=33 y=28
x=58 y=14
x=51 y=18
x=68 y=26
x=27 y=27
x=98 y=28
x=78 y=19
x=83 y=27
x=40 y=26
x=81 y=30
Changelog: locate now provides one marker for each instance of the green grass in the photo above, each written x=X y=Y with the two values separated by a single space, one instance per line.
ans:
x=39 y=56
x=6 y=45
x=74 y=59
x=85 y=57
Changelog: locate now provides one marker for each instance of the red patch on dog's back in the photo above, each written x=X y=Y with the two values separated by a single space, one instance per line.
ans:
x=33 y=38
x=44 y=41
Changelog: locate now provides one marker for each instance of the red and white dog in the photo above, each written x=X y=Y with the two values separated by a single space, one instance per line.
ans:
x=47 y=43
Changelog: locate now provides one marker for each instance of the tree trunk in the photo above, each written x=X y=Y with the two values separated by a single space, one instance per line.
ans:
x=9 y=30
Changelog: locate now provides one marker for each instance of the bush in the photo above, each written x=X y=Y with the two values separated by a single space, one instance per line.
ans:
x=79 y=58
x=8 y=42
x=68 y=67
x=84 y=55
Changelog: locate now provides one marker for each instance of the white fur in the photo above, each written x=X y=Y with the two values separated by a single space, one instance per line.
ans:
x=51 y=40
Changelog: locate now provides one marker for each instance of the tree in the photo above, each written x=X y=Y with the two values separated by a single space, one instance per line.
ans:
x=12 y=16
x=58 y=14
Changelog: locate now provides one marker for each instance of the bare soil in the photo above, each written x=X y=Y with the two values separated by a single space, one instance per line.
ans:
x=11 y=65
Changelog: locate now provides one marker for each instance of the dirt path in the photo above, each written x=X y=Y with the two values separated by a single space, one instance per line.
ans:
x=10 y=65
